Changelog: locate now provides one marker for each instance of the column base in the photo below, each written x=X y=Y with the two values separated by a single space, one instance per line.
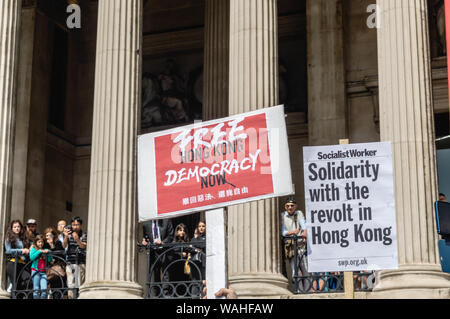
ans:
x=423 y=281
x=111 y=290
x=259 y=285
x=4 y=294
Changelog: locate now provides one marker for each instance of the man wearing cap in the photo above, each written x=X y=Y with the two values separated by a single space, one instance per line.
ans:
x=293 y=223
x=32 y=229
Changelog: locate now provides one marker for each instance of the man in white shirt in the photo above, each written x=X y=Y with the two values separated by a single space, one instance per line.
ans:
x=293 y=223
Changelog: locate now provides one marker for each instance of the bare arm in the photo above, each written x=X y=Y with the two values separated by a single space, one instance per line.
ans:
x=66 y=239
x=78 y=240
x=293 y=232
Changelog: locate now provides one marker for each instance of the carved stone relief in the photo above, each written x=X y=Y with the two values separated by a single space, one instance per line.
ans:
x=166 y=98
x=170 y=98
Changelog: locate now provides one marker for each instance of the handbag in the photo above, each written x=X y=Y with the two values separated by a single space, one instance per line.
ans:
x=55 y=271
x=187 y=268
x=289 y=248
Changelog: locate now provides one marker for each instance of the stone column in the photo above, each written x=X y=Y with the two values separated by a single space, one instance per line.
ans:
x=254 y=257
x=216 y=59
x=111 y=248
x=327 y=105
x=37 y=126
x=216 y=71
x=23 y=111
x=10 y=11
x=406 y=119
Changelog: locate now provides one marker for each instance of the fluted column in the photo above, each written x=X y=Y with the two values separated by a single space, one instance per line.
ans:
x=254 y=257
x=10 y=11
x=327 y=118
x=111 y=250
x=23 y=111
x=216 y=59
x=406 y=119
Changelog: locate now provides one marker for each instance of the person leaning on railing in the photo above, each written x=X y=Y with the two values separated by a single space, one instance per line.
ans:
x=181 y=271
x=16 y=249
x=293 y=224
x=41 y=259
x=198 y=257
x=158 y=233
x=56 y=273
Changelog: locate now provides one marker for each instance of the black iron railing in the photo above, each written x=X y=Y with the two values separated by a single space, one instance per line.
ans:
x=324 y=282
x=175 y=271
x=55 y=274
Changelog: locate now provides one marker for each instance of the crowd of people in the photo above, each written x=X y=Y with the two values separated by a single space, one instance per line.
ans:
x=44 y=260
x=61 y=253
x=171 y=263
x=53 y=259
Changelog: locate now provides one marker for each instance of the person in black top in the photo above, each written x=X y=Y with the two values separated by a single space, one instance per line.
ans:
x=75 y=241
x=199 y=256
x=56 y=274
x=52 y=242
x=201 y=231
x=179 y=259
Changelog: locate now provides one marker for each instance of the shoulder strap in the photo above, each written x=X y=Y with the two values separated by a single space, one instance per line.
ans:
x=296 y=219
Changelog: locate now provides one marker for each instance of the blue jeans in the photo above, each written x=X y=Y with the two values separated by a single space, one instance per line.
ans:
x=39 y=283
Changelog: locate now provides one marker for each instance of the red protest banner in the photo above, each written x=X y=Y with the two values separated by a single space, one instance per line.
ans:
x=213 y=164
x=212 y=172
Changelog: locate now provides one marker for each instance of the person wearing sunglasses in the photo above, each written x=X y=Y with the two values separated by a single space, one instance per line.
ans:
x=293 y=224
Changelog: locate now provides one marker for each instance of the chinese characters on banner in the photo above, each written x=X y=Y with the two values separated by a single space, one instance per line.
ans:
x=213 y=164
x=350 y=207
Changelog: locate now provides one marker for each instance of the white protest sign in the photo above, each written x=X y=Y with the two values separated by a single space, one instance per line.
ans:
x=215 y=252
x=350 y=207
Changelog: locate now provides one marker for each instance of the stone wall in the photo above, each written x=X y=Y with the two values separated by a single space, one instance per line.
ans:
x=360 y=51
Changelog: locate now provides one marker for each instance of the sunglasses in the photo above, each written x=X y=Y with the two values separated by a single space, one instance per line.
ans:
x=290 y=205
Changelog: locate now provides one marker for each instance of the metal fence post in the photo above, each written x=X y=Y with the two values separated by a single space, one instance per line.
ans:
x=348 y=275
x=149 y=275
x=14 y=283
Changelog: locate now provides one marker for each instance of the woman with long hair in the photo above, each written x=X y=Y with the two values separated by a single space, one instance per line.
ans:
x=16 y=249
x=180 y=269
x=180 y=234
x=201 y=227
x=51 y=240
x=56 y=274
x=198 y=257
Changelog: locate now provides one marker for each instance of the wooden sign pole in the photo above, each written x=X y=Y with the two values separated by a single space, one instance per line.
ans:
x=348 y=275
